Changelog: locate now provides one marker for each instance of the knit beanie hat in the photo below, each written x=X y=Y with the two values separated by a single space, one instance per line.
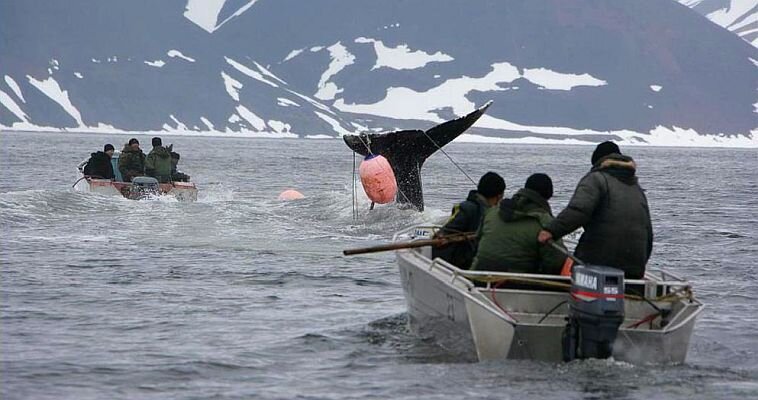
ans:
x=133 y=141
x=108 y=147
x=603 y=149
x=491 y=185
x=541 y=184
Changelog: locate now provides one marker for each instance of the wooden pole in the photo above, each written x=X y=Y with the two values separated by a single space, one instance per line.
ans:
x=439 y=242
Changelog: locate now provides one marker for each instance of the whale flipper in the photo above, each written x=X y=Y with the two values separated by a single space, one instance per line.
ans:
x=407 y=150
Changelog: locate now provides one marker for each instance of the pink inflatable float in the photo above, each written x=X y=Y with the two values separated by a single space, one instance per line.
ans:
x=378 y=179
x=290 y=194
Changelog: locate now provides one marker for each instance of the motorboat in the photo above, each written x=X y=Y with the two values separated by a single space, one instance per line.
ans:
x=483 y=315
x=141 y=187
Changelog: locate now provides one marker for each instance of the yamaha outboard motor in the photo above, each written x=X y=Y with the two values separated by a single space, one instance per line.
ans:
x=595 y=313
x=143 y=187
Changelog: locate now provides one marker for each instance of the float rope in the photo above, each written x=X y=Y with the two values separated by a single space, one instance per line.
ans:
x=450 y=158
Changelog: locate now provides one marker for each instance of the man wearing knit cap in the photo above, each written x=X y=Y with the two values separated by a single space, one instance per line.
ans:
x=99 y=164
x=612 y=207
x=466 y=218
x=507 y=236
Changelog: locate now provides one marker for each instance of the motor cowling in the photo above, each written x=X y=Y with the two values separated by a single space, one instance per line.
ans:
x=378 y=179
x=596 y=310
x=144 y=186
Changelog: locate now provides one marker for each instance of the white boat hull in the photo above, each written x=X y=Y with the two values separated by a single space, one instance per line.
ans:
x=478 y=323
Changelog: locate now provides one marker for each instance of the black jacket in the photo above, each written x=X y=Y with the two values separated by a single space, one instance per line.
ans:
x=99 y=165
x=466 y=217
x=612 y=208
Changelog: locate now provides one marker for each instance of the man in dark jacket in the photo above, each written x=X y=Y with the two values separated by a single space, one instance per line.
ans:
x=99 y=163
x=176 y=175
x=613 y=209
x=507 y=236
x=131 y=162
x=158 y=162
x=466 y=218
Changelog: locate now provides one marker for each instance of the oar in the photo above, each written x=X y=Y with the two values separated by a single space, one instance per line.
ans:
x=439 y=242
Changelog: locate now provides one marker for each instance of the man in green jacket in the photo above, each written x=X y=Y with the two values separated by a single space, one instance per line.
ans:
x=466 y=218
x=131 y=161
x=507 y=238
x=158 y=162
x=612 y=208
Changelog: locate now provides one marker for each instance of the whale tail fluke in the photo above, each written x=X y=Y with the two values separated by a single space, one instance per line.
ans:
x=406 y=151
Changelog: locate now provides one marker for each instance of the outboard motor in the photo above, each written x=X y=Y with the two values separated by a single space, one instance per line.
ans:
x=143 y=187
x=595 y=313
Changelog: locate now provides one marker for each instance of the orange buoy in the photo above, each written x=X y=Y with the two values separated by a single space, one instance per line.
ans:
x=290 y=194
x=378 y=179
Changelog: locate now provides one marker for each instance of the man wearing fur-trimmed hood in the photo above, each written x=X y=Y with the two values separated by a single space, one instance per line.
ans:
x=611 y=206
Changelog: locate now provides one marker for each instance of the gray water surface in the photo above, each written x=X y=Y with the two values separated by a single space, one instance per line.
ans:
x=239 y=295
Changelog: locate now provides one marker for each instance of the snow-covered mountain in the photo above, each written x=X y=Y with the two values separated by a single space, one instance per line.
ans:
x=645 y=71
x=739 y=16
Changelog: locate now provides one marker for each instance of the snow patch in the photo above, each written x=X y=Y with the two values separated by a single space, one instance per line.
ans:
x=292 y=54
x=334 y=123
x=96 y=61
x=249 y=72
x=232 y=86
x=78 y=75
x=268 y=73
x=179 y=125
x=14 y=86
x=207 y=123
x=560 y=81
x=286 y=102
x=234 y=118
x=341 y=58
x=11 y=105
x=257 y=122
x=401 y=57
x=156 y=63
x=656 y=88
x=204 y=13
x=316 y=48
x=279 y=126
x=405 y=103
x=52 y=89
x=177 y=53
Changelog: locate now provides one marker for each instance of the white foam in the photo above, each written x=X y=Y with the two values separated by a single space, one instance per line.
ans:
x=14 y=86
x=553 y=80
x=341 y=58
x=11 y=105
x=232 y=86
x=178 y=54
x=156 y=63
x=656 y=88
x=52 y=89
x=401 y=57
x=319 y=137
x=249 y=72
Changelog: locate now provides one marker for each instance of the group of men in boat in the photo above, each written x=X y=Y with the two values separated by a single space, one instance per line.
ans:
x=513 y=234
x=161 y=163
